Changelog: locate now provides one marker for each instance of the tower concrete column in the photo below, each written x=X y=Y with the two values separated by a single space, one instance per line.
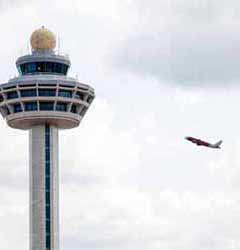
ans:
x=44 y=182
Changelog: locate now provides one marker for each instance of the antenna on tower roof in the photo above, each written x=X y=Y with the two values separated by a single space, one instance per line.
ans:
x=59 y=45
x=28 y=48
x=21 y=51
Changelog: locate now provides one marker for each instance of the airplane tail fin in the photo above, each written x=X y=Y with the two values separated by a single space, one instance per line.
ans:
x=217 y=145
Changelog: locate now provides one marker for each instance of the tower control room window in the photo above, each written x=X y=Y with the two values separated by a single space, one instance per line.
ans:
x=89 y=99
x=74 y=109
x=44 y=67
x=48 y=106
x=5 y=110
x=28 y=68
x=49 y=67
x=80 y=96
x=65 y=93
x=61 y=106
x=46 y=92
x=83 y=111
x=28 y=92
x=31 y=67
x=30 y=106
x=17 y=108
x=12 y=95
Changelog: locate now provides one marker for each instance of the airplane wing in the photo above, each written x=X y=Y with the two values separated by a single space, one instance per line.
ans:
x=203 y=143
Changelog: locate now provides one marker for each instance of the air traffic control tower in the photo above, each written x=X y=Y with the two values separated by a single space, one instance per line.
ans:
x=43 y=99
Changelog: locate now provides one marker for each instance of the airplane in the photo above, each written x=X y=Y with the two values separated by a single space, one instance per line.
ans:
x=203 y=143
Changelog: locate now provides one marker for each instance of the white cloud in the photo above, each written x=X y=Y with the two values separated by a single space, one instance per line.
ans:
x=126 y=219
x=227 y=167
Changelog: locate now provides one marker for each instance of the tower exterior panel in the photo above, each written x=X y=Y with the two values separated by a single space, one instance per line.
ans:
x=44 y=182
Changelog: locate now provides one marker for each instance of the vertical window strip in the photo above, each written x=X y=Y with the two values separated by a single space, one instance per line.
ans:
x=47 y=188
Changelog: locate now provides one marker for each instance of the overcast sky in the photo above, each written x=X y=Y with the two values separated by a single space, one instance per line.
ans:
x=162 y=70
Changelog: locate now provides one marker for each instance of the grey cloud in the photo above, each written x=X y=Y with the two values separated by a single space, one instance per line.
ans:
x=192 y=43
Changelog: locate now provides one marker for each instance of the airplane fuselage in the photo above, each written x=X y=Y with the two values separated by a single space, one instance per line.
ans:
x=199 y=142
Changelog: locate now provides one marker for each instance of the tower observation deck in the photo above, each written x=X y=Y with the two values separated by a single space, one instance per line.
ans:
x=43 y=99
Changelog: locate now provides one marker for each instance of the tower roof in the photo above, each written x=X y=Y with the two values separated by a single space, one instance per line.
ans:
x=43 y=39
